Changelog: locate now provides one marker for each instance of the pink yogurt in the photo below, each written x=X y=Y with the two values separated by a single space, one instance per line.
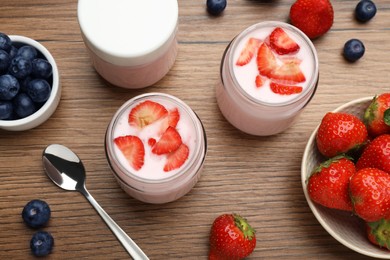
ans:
x=260 y=111
x=132 y=44
x=151 y=183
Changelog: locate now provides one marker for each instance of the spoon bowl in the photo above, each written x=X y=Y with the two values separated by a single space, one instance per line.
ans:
x=67 y=171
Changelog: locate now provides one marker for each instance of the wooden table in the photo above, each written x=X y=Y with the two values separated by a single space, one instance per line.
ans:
x=257 y=177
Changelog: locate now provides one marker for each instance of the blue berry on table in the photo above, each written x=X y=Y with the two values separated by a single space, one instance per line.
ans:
x=6 y=109
x=36 y=213
x=5 y=42
x=20 y=67
x=9 y=87
x=38 y=90
x=41 y=243
x=365 y=10
x=23 y=105
x=216 y=7
x=28 y=52
x=5 y=61
x=353 y=50
x=41 y=68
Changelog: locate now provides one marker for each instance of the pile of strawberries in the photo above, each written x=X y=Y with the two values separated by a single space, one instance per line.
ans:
x=169 y=143
x=356 y=174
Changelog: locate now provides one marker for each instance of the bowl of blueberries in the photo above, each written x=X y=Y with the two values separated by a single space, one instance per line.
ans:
x=30 y=87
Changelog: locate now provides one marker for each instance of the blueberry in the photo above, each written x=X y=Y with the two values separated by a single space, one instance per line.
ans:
x=41 y=68
x=23 y=105
x=36 y=213
x=28 y=52
x=5 y=42
x=41 y=243
x=353 y=50
x=216 y=7
x=13 y=52
x=6 y=109
x=5 y=60
x=20 y=67
x=24 y=83
x=365 y=10
x=9 y=87
x=38 y=90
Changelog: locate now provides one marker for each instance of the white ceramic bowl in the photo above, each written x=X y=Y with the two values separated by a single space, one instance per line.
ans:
x=347 y=229
x=43 y=113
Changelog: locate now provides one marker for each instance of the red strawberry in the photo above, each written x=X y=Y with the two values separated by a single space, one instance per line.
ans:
x=248 y=52
x=370 y=194
x=173 y=117
x=288 y=73
x=177 y=158
x=379 y=233
x=313 y=17
x=340 y=133
x=328 y=184
x=133 y=149
x=259 y=81
x=231 y=237
x=377 y=115
x=151 y=142
x=285 y=89
x=146 y=113
x=266 y=60
x=376 y=154
x=281 y=43
x=169 y=142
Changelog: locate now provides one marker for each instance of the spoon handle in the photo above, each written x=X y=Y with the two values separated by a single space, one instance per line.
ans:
x=131 y=247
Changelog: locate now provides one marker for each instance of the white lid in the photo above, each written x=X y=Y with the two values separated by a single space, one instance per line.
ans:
x=128 y=32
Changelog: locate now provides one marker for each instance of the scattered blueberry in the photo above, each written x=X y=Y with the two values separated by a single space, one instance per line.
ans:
x=38 y=90
x=5 y=42
x=41 y=68
x=9 y=87
x=216 y=7
x=36 y=213
x=6 y=109
x=28 y=52
x=23 y=105
x=365 y=10
x=41 y=243
x=5 y=60
x=353 y=50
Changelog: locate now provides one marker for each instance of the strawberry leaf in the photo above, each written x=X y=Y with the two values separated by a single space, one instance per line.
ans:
x=386 y=116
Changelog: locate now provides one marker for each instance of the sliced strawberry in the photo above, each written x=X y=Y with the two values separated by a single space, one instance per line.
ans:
x=176 y=159
x=133 y=149
x=249 y=50
x=146 y=113
x=285 y=89
x=266 y=60
x=281 y=43
x=259 y=81
x=173 y=117
x=169 y=142
x=151 y=142
x=288 y=73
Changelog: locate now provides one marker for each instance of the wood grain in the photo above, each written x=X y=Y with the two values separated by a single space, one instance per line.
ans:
x=258 y=177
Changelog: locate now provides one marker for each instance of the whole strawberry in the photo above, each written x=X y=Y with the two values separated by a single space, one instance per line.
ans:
x=231 y=238
x=377 y=115
x=340 y=133
x=376 y=154
x=379 y=233
x=370 y=194
x=329 y=182
x=313 y=17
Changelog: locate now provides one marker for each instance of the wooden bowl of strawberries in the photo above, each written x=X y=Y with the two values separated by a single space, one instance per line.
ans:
x=345 y=175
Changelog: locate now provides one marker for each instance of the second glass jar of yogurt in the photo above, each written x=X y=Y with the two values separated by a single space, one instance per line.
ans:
x=269 y=73
x=156 y=146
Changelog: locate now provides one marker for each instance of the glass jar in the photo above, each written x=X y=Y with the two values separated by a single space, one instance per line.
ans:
x=132 y=44
x=259 y=111
x=151 y=183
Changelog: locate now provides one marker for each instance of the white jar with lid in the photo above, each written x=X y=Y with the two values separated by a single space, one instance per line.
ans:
x=132 y=43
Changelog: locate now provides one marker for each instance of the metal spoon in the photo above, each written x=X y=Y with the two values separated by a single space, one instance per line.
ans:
x=66 y=170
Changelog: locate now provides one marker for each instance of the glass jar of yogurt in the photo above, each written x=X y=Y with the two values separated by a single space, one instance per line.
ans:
x=156 y=146
x=132 y=44
x=269 y=73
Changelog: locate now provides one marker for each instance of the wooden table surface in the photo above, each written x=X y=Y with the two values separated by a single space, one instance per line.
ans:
x=257 y=177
